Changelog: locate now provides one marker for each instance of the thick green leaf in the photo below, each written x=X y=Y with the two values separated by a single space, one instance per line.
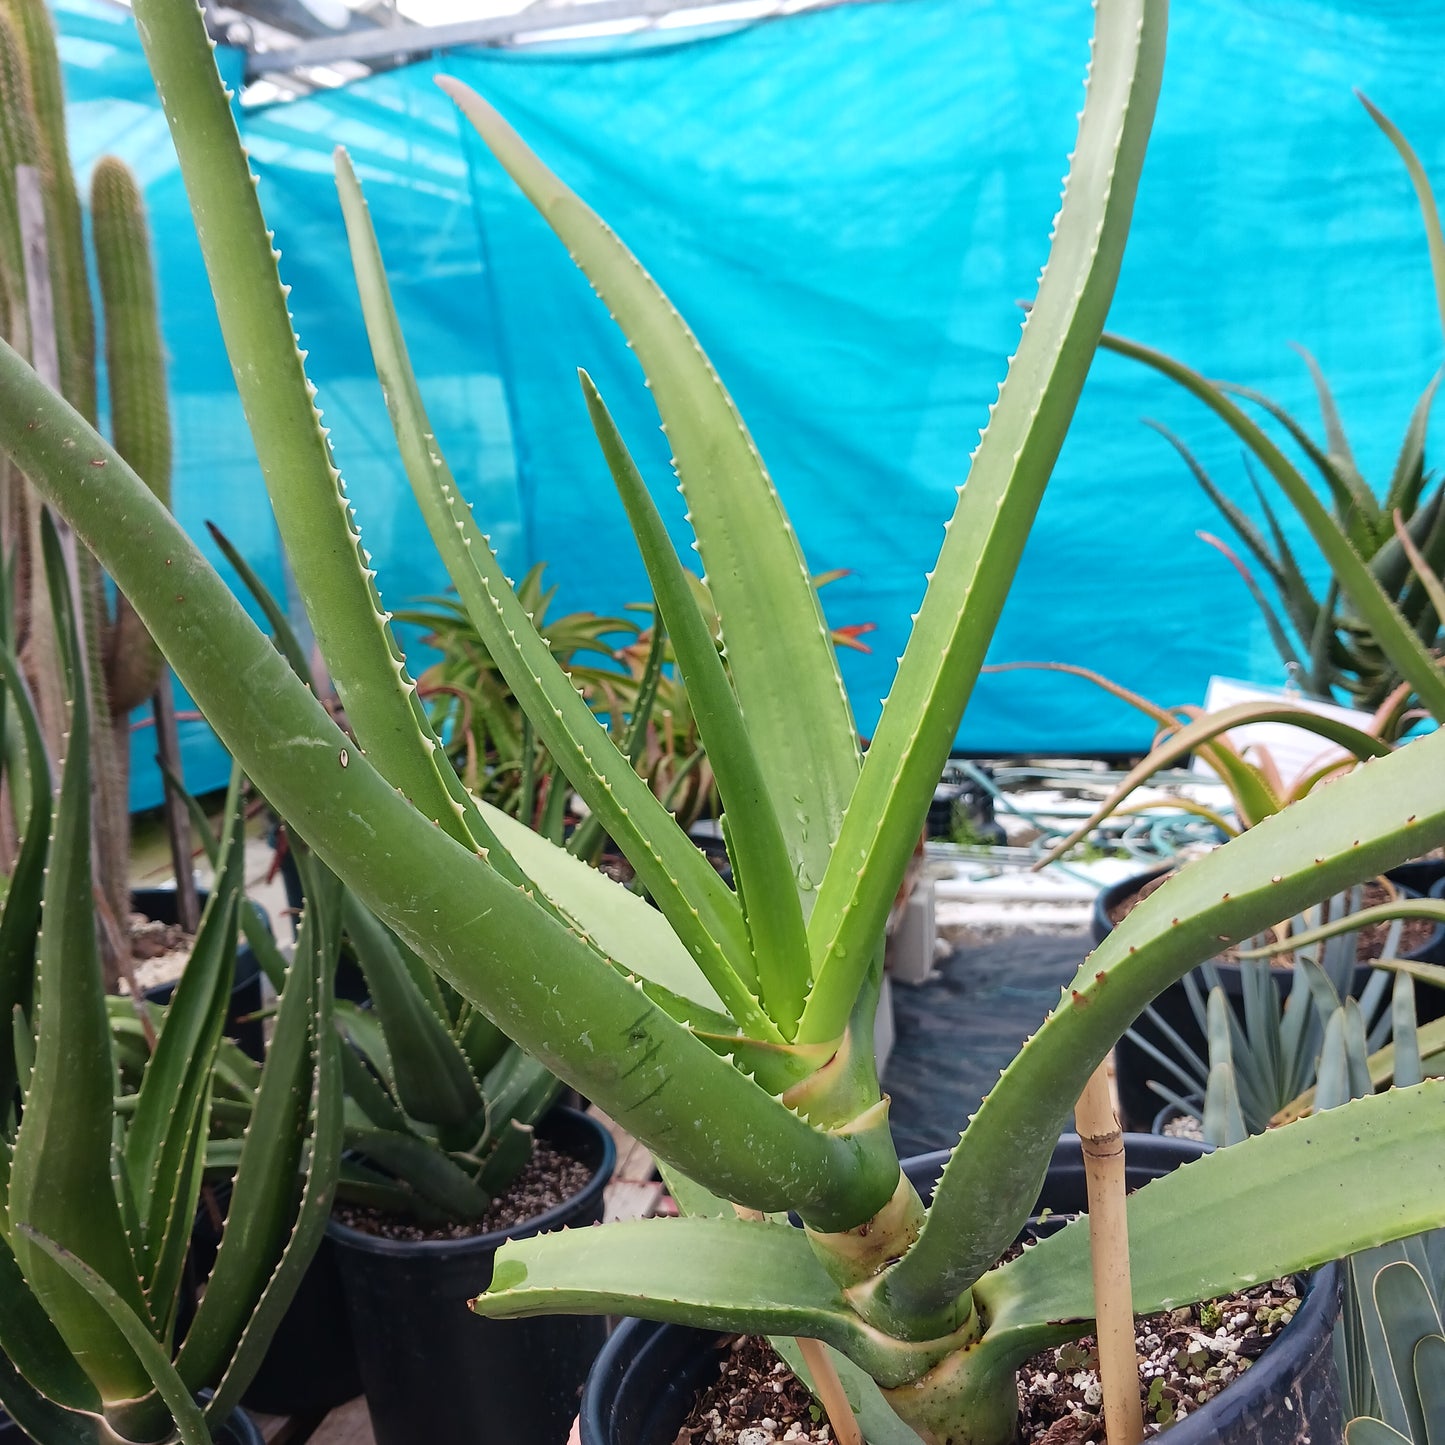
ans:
x=60 y=1179
x=759 y=854
x=1382 y=814
x=433 y=1080
x=1279 y=1203
x=534 y=976
x=996 y=506
x=1424 y=194
x=190 y=1423
x=684 y=885
x=1365 y=1431
x=623 y=925
x=314 y=517
x=270 y=1176
x=316 y=947
x=781 y=660
x=20 y=918
x=30 y=1344
x=165 y=1138
x=715 y=1273
x=39 y=1417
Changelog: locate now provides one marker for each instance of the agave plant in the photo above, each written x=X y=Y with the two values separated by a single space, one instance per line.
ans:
x=1267 y=1061
x=1376 y=624
x=97 y=1194
x=731 y=1031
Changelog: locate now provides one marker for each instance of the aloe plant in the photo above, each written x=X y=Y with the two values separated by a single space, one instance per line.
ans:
x=98 y=1192
x=1257 y=788
x=439 y=1103
x=1376 y=624
x=731 y=1031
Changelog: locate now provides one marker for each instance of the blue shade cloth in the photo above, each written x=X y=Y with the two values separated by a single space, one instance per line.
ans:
x=847 y=205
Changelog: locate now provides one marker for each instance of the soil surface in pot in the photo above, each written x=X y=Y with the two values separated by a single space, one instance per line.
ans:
x=160 y=952
x=549 y=1179
x=1369 y=943
x=1186 y=1357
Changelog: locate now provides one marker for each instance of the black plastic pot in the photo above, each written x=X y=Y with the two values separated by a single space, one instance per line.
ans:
x=1134 y=1068
x=160 y=905
x=435 y=1372
x=310 y=1365
x=645 y=1381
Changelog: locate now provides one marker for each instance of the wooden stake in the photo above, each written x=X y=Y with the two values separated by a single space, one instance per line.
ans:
x=1109 y=1254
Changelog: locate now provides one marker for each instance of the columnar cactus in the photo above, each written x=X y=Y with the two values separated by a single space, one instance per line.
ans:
x=125 y=665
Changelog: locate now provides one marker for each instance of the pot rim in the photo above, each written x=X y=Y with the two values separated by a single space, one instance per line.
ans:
x=586 y=1198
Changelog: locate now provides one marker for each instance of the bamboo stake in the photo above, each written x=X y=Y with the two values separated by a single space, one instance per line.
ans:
x=831 y=1395
x=1109 y=1255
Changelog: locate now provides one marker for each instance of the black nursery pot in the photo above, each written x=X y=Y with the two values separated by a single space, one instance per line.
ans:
x=645 y=1380
x=432 y=1370
x=159 y=904
x=310 y=1365
x=1134 y=1068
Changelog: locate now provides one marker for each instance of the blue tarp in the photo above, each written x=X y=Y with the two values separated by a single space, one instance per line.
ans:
x=847 y=205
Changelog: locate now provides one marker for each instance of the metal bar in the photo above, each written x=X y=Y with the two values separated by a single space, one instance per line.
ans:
x=498 y=30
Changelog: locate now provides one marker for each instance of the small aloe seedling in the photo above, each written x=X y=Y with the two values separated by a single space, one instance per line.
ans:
x=731 y=1030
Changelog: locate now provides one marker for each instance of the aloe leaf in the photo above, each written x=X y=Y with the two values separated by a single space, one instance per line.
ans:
x=535 y=977
x=163 y=1145
x=1335 y=438
x=985 y=538
x=300 y=1059
x=874 y=1414
x=759 y=855
x=190 y=1423
x=1424 y=194
x=315 y=520
x=320 y=1169
x=685 y=886
x=1375 y=608
x=31 y=1344
x=281 y=629
x=20 y=916
x=1244 y=527
x=1288 y=653
x=1429 y=579
x=38 y=1416
x=424 y=1167
x=1358 y=510
x=433 y=1080
x=60 y=1181
x=714 y=1273
x=622 y=924
x=1298 y=598
x=782 y=662
x=1409 y=472
x=1352 y=922
x=1340 y=836
x=1255 y=1209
